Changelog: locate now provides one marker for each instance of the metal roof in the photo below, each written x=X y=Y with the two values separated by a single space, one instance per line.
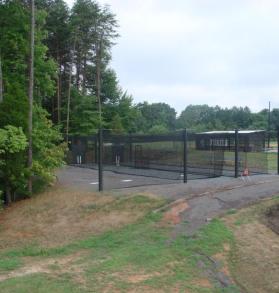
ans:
x=232 y=132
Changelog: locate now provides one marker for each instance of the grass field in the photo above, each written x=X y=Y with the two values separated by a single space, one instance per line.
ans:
x=89 y=243
x=254 y=258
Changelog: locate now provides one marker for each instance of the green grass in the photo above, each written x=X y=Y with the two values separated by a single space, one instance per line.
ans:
x=272 y=161
x=9 y=264
x=39 y=283
x=141 y=248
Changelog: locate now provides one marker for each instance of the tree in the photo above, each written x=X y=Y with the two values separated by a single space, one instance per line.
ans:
x=30 y=93
x=69 y=92
x=1 y=81
x=16 y=108
x=58 y=42
x=156 y=114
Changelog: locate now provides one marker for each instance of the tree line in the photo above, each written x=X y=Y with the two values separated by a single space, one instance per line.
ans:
x=69 y=88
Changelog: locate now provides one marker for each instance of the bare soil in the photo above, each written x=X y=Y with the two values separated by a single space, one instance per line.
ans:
x=173 y=214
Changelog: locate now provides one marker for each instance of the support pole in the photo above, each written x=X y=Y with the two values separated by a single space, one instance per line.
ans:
x=236 y=154
x=100 y=159
x=185 y=156
x=96 y=158
x=269 y=125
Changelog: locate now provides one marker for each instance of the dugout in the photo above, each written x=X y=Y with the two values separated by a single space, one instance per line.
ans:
x=249 y=140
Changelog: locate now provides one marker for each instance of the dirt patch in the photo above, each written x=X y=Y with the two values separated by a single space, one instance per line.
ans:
x=222 y=259
x=129 y=275
x=138 y=278
x=59 y=216
x=203 y=283
x=272 y=217
x=172 y=216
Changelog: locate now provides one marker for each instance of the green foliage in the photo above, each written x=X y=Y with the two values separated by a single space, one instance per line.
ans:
x=12 y=164
x=84 y=116
x=203 y=117
x=14 y=47
x=116 y=125
x=47 y=147
x=155 y=114
x=158 y=129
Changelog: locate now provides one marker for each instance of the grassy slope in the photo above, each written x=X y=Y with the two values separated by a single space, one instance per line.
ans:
x=137 y=257
x=254 y=259
x=140 y=253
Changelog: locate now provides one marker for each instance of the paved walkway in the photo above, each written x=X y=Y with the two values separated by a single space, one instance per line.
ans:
x=213 y=197
x=206 y=198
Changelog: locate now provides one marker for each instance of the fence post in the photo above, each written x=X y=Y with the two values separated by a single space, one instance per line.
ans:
x=278 y=150
x=96 y=149
x=236 y=154
x=185 y=156
x=100 y=159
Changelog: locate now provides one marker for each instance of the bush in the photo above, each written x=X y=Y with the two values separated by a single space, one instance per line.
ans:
x=13 y=142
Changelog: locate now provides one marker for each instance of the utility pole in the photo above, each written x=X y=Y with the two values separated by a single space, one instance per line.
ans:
x=269 y=124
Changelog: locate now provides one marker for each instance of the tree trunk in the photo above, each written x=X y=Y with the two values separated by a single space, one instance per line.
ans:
x=1 y=82
x=58 y=96
x=98 y=81
x=8 y=197
x=69 y=93
x=84 y=76
x=78 y=73
x=30 y=95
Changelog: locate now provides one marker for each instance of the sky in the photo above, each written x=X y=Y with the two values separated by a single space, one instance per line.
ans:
x=215 y=52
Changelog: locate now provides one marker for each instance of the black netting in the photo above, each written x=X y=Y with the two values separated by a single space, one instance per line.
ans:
x=144 y=155
x=253 y=157
x=158 y=159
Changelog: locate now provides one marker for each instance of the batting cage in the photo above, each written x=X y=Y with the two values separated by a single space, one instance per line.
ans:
x=170 y=158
